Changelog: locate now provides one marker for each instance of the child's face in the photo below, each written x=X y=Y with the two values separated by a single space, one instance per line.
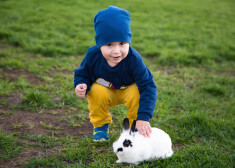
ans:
x=115 y=52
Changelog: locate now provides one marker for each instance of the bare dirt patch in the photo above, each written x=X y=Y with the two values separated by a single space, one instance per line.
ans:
x=9 y=164
x=13 y=75
x=168 y=70
x=53 y=72
x=27 y=122
x=178 y=146
x=23 y=122
x=14 y=99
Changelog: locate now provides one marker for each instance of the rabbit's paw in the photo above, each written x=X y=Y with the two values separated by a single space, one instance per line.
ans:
x=118 y=161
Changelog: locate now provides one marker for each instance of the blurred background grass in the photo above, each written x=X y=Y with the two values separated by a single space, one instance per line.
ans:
x=170 y=32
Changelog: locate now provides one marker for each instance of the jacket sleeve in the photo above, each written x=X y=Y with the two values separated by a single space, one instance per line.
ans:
x=81 y=74
x=147 y=88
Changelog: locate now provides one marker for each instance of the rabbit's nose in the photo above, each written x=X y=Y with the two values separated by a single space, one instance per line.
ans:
x=119 y=149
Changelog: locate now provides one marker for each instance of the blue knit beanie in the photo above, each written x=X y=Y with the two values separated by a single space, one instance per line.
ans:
x=112 y=25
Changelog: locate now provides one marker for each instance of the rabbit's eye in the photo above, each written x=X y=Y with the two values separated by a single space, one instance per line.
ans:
x=127 y=143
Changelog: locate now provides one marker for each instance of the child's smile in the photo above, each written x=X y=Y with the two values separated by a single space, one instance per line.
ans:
x=115 y=52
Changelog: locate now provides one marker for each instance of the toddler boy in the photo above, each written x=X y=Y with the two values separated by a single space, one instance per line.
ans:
x=113 y=73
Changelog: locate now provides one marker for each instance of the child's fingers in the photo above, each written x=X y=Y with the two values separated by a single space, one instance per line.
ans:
x=150 y=129
x=80 y=90
x=146 y=131
x=76 y=90
x=144 y=128
x=140 y=130
x=83 y=86
x=81 y=95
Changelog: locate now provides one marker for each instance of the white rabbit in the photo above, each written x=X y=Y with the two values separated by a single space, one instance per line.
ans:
x=132 y=147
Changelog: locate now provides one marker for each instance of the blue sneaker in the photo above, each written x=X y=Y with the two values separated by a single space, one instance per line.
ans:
x=101 y=134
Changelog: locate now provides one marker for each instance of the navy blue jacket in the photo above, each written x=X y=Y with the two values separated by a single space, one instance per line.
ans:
x=130 y=70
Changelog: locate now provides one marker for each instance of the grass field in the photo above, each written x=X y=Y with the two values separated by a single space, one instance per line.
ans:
x=187 y=45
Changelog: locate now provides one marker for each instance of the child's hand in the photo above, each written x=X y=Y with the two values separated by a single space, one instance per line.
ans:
x=80 y=90
x=144 y=127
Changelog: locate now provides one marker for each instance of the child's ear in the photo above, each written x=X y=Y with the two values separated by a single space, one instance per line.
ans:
x=126 y=124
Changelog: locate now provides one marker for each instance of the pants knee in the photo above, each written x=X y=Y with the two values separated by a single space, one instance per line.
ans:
x=132 y=96
x=99 y=93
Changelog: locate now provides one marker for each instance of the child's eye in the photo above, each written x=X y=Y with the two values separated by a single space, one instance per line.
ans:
x=108 y=44
x=122 y=43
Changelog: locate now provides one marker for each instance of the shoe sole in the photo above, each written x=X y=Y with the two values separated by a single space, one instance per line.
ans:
x=100 y=140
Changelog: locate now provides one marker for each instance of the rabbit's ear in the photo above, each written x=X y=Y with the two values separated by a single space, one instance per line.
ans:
x=133 y=126
x=126 y=124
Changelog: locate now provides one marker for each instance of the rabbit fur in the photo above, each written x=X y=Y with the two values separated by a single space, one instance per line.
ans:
x=132 y=147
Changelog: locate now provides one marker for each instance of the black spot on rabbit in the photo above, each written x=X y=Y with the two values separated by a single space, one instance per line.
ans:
x=127 y=143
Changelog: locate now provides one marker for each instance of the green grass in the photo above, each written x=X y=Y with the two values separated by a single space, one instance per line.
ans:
x=182 y=32
x=6 y=87
x=9 y=146
x=187 y=45
x=36 y=100
x=43 y=140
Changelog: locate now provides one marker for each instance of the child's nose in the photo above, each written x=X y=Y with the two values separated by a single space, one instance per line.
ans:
x=116 y=49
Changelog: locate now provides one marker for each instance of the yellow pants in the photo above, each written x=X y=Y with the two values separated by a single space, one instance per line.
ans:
x=100 y=98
